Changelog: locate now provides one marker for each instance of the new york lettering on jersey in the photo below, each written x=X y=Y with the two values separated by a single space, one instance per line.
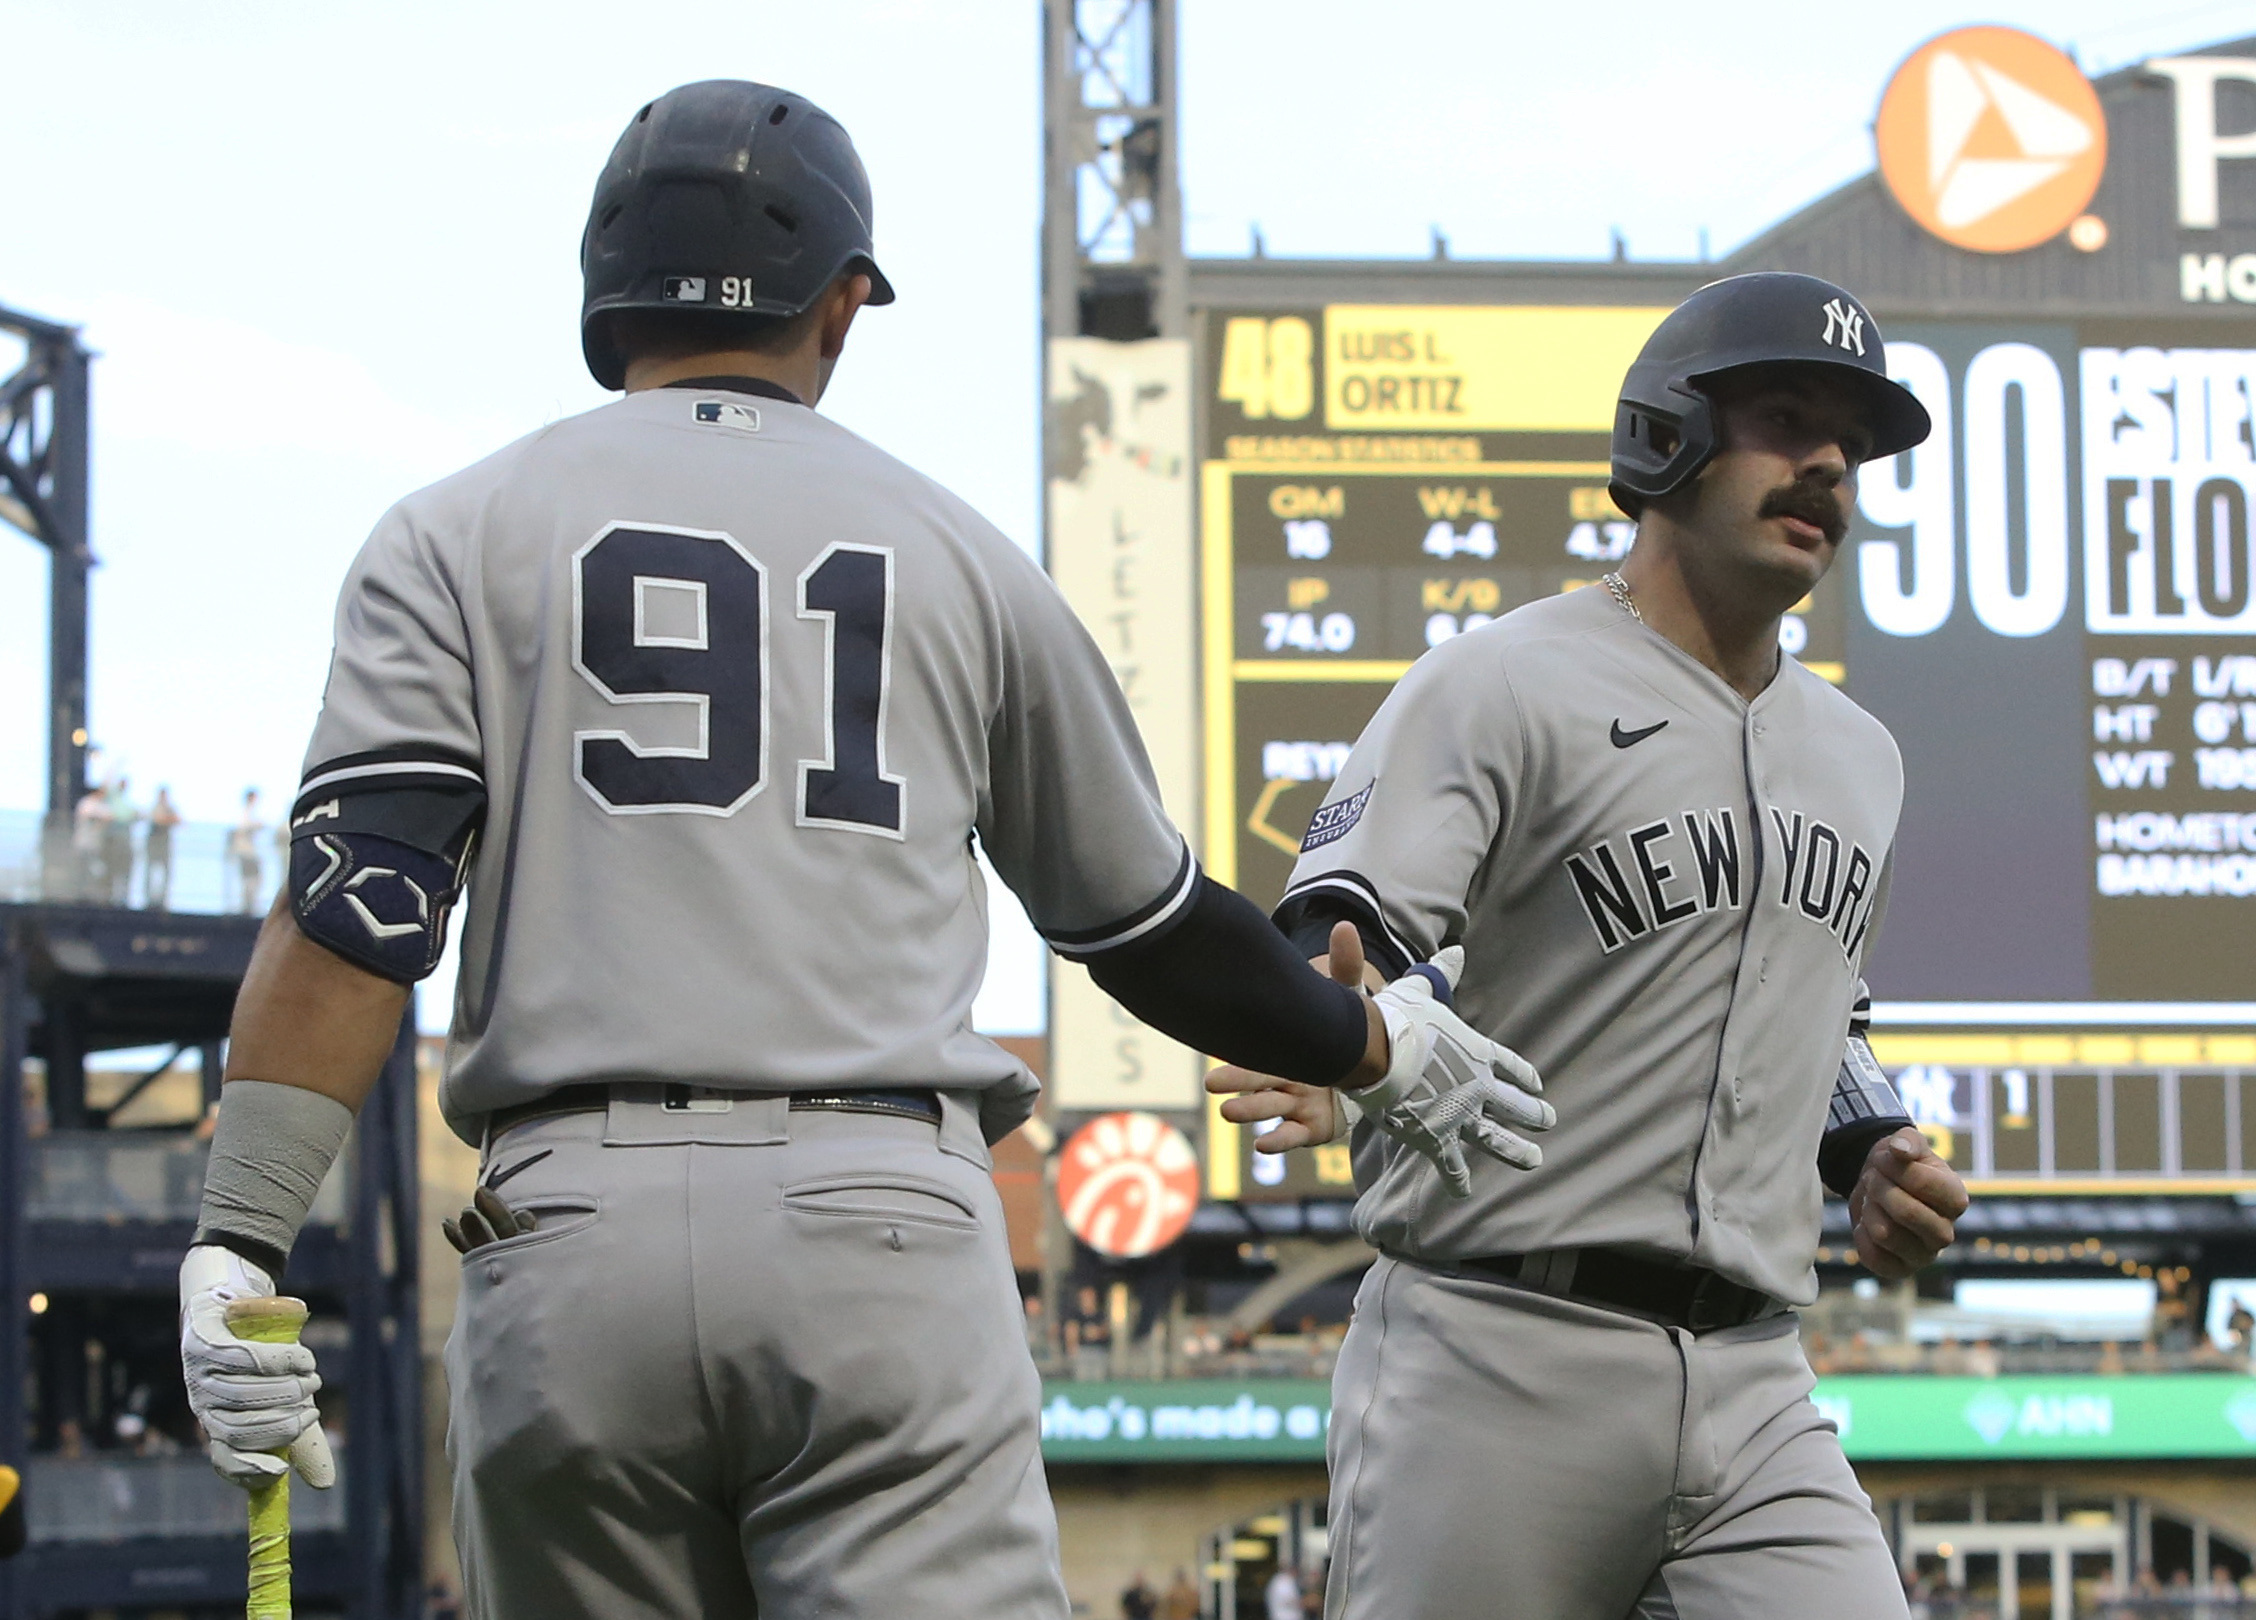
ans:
x=1826 y=877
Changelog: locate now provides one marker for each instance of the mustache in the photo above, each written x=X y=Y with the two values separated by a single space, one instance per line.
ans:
x=1812 y=503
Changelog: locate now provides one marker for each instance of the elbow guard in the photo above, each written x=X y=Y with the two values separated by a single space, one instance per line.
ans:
x=373 y=874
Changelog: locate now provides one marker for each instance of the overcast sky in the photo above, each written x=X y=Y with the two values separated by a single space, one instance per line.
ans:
x=327 y=254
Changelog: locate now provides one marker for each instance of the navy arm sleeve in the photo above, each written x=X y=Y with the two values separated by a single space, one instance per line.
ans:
x=1222 y=980
x=1307 y=920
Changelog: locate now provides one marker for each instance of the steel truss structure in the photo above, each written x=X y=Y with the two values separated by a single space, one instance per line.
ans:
x=81 y=979
x=1112 y=227
x=43 y=492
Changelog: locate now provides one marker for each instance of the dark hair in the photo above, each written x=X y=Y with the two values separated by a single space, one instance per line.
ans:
x=668 y=334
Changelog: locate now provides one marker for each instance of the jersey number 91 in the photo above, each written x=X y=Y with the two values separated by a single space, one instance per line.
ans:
x=680 y=616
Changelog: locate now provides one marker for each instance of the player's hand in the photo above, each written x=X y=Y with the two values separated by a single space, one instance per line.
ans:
x=1305 y=1116
x=254 y=1400
x=487 y=1220
x=1446 y=1083
x=1903 y=1205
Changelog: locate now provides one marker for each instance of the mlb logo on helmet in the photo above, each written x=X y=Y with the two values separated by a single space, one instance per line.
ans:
x=683 y=290
x=1994 y=141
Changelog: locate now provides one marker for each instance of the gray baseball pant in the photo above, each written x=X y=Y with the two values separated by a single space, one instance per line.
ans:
x=1501 y=1453
x=751 y=1361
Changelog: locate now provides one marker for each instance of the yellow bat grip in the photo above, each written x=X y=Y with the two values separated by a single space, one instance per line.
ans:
x=269 y=1321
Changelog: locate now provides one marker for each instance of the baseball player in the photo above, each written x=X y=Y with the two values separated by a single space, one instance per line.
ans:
x=1663 y=848
x=714 y=699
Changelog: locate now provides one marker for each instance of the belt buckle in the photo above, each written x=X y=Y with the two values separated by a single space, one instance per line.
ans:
x=1713 y=1304
x=678 y=1099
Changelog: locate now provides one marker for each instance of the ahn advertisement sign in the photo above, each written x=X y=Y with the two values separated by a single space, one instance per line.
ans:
x=2052 y=603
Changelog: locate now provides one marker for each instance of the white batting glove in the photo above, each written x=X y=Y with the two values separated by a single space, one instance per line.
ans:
x=254 y=1400
x=1448 y=1084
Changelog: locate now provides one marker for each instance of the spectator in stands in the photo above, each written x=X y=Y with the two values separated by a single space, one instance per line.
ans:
x=1087 y=1328
x=1038 y=1330
x=89 y=841
x=1281 y=1597
x=1139 y=1602
x=244 y=852
x=1182 y=1599
x=156 y=852
x=117 y=844
x=2173 y=1314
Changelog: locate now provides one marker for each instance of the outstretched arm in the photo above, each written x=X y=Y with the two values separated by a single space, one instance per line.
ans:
x=1305 y=1116
x=1222 y=980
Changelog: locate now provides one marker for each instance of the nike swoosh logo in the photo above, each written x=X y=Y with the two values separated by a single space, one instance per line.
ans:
x=499 y=1177
x=1630 y=739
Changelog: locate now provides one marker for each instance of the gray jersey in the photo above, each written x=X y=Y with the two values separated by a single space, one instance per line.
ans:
x=1664 y=893
x=740 y=689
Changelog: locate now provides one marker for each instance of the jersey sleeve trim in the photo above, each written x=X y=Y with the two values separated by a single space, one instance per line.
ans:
x=1079 y=944
x=1356 y=898
x=387 y=768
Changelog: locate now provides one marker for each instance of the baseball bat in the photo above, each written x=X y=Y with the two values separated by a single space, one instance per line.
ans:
x=269 y=1321
x=12 y=1528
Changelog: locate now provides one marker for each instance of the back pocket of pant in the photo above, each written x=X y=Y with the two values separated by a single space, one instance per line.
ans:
x=555 y=1215
x=883 y=1198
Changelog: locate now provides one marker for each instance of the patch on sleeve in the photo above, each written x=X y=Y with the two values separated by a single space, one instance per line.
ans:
x=1333 y=821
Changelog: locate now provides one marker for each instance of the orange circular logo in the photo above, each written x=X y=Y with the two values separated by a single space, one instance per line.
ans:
x=1991 y=139
x=1128 y=1184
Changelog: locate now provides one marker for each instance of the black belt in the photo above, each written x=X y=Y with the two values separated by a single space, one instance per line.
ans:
x=1688 y=1297
x=593 y=1096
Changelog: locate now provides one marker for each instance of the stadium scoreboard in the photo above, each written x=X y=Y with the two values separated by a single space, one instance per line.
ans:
x=1377 y=479
x=2051 y=604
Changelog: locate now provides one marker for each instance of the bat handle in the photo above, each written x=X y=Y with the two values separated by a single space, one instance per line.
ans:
x=269 y=1321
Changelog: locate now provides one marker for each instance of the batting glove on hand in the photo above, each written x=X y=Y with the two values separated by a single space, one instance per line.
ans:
x=1448 y=1084
x=255 y=1401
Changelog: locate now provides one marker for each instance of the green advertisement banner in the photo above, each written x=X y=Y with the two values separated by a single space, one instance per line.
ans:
x=2159 y=1415
x=1880 y=1418
x=1184 y=1420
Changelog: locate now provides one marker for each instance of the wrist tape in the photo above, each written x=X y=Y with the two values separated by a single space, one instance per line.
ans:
x=269 y=1153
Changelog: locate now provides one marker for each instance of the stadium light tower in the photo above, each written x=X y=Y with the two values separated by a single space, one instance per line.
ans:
x=1112 y=208
x=43 y=482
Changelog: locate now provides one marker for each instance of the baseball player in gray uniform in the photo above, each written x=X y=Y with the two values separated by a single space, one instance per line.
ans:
x=1577 y=1393
x=714 y=700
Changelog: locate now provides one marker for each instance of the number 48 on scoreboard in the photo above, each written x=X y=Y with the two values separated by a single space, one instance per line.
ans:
x=1268 y=367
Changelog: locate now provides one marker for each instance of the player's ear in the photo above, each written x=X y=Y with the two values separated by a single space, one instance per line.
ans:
x=840 y=305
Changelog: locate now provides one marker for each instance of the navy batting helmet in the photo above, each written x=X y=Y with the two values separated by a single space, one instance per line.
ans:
x=724 y=197
x=1769 y=318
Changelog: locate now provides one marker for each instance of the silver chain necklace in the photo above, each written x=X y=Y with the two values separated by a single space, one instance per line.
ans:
x=1619 y=588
